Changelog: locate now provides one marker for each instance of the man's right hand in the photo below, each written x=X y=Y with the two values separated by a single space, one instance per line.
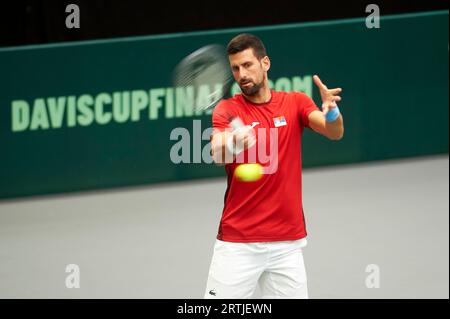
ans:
x=243 y=138
x=226 y=145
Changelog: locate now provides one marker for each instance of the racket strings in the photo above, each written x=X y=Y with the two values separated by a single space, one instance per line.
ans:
x=207 y=72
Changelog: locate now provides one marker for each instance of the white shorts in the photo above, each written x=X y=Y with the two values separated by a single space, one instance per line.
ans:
x=278 y=267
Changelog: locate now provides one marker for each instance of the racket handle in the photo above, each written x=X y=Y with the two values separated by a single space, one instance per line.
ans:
x=236 y=123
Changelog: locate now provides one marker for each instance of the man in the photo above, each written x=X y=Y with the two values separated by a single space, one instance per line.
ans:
x=262 y=230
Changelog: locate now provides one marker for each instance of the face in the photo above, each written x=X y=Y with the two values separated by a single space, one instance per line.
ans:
x=248 y=71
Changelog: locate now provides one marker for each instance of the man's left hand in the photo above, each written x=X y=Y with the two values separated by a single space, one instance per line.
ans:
x=329 y=96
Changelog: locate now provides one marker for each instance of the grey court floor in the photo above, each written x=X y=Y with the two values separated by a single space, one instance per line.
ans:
x=156 y=241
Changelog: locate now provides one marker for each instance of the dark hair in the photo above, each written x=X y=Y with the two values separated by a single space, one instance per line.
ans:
x=244 y=41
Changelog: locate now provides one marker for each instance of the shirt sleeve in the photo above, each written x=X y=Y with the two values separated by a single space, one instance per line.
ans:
x=306 y=105
x=221 y=116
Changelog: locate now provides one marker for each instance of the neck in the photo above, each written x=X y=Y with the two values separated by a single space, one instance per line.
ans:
x=263 y=95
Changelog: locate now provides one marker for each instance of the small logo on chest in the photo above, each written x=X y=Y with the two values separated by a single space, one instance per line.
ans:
x=279 y=121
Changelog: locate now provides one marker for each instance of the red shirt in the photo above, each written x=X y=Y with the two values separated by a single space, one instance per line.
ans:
x=269 y=209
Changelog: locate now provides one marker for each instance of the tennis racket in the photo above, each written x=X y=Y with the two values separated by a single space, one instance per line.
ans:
x=206 y=72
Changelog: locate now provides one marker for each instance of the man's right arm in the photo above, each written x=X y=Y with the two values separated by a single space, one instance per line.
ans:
x=219 y=150
x=227 y=144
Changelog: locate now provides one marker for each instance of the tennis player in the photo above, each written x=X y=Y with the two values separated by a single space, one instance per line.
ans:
x=262 y=230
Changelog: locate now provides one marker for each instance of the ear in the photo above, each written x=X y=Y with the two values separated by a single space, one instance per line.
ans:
x=265 y=62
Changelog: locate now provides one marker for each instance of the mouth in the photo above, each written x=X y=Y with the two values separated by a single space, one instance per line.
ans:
x=247 y=83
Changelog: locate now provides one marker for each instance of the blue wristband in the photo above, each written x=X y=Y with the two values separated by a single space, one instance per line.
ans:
x=332 y=114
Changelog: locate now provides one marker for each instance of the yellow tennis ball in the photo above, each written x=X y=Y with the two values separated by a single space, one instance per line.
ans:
x=248 y=172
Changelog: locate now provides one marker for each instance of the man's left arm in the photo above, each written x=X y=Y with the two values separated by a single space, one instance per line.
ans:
x=329 y=121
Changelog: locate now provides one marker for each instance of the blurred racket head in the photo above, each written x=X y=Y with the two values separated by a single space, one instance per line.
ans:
x=207 y=73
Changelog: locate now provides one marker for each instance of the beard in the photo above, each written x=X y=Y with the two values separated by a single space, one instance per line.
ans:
x=251 y=90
